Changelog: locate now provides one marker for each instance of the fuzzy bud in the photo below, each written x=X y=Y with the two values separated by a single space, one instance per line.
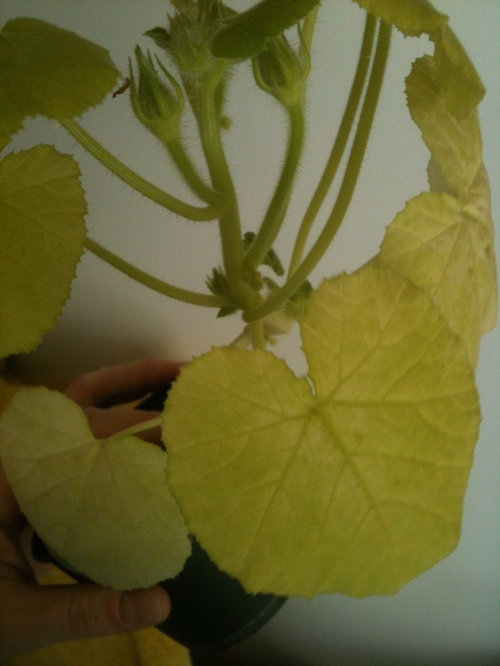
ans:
x=157 y=102
x=281 y=71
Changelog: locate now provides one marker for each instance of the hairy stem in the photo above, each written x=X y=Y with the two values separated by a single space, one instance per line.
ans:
x=229 y=218
x=339 y=145
x=188 y=171
x=134 y=180
x=281 y=198
x=347 y=187
x=207 y=300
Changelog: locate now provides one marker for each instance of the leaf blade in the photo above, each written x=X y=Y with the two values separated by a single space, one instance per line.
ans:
x=103 y=506
x=301 y=490
x=246 y=33
x=412 y=17
x=49 y=71
x=455 y=144
x=445 y=246
x=42 y=209
x=455 y=74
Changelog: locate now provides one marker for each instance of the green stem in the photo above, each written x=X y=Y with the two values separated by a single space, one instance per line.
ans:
x=134 y=180
x=190 y=174
x=257 y=335
x=279 y=203
x=207 y=300
x=243 y=340
x=347 y=187
x=309 y=26
x=229 y=218
x=339 y=145
x=138 y=428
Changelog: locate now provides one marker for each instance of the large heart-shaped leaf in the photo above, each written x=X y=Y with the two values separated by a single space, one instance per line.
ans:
x=42 y=230
x=103 y=506
x=350 y=480
x=49 y=71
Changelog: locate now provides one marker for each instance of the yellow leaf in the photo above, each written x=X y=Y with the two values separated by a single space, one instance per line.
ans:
x=350 y=480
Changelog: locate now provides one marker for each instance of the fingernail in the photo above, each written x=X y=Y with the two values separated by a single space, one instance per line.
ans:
x=144 y=607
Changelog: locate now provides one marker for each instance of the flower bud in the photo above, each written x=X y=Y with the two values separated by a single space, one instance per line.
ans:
x=281 y=71
x=191 y=31
x=156 y=103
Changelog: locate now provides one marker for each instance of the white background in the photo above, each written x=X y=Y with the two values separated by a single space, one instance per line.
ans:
x=451 y=614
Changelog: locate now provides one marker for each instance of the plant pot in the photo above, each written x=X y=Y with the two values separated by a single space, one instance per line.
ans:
x=210 y=609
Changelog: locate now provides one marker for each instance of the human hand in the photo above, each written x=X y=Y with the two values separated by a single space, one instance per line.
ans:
x=33 y=616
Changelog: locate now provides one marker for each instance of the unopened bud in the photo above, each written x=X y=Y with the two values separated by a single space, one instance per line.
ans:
x=281 y=71
x=192 y=28
x=157 y=102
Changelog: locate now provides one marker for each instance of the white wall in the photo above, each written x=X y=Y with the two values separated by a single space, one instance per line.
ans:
x=450 y=615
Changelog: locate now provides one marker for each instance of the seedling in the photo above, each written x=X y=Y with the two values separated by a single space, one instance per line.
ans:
x=350 y=479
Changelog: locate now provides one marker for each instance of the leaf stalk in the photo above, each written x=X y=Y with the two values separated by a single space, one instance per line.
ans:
x=135 y=181
x=220 y=174
x=184 y=295
x=138 y=428
x=346 y=191
x=278 y=206
x=339 y=145
x=191 y=176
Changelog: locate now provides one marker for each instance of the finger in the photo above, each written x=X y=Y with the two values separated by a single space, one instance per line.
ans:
x=32 y=617
x=107 y=422
x=121 y=383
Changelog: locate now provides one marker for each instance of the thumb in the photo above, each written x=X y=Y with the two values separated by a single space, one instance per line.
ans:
x=90 y=610
x=45 y=615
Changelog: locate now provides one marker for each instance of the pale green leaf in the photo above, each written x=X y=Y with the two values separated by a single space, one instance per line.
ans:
x=454 y=144
x=42 y=209
x=444 y=241
x=412 y=17
x=456 y=76
x=246 y=34
x=49 y=71
x=349 y=481
x=446 y=247
x=103 y=506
